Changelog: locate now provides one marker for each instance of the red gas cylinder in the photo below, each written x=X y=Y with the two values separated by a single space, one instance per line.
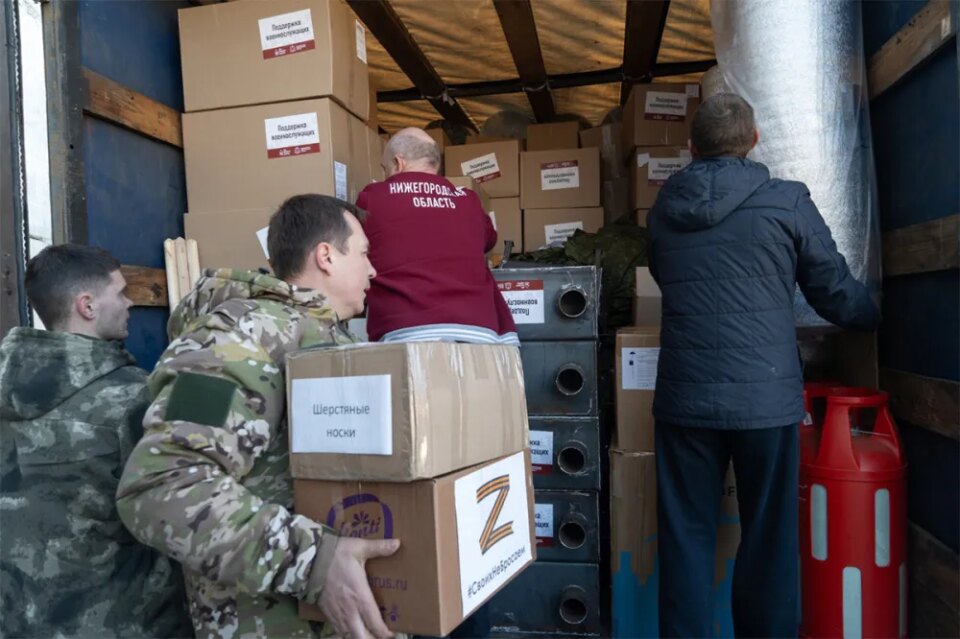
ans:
x=854 y=524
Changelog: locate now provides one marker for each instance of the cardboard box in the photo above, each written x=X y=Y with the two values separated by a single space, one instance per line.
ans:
x=440 y=137
x=375 y=155
x=487 y=139
x=545 y=227
x=553 y=136
x=659 y=114
x=650 y=168
x=362 y=164
x=495 y=165
x=467 y=182
x=615 y=199
x=245 y=53
x=235 y=239
x=637 y=354
x=647 y=300
x=554 y=179
x=402 y=412
x=256 y=157
x=641 y=215
x=508 y=220
x=609 y=139
x=463 y=537
x=373 y=117
x=635 y=565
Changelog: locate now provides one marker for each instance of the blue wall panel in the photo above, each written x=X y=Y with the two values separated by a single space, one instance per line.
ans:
x=883 y=18
x=933 y=475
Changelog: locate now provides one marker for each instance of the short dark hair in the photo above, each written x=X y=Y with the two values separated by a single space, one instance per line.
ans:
x=302 y=222
x=723 y=125
x=57 y=274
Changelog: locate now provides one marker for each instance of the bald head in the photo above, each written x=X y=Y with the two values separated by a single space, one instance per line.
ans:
x=411 y=149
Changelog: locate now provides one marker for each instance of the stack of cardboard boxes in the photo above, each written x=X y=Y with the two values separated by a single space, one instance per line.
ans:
x=278 y=102
x=656 y=138
x=633 y=489
x=426 y=443
x=615 y=183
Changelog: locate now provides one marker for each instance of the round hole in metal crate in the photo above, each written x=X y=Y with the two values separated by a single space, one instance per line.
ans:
x=570 y=380
x=572 y=302
x=573 y=606
x=571 y=460
x=572 y=535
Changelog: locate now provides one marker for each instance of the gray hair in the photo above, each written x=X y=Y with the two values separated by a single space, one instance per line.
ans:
x=414 y=149
x=723 y=125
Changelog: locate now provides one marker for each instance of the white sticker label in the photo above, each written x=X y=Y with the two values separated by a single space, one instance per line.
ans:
x=292 y=135
x=665 y=106
x=559 y=175
x=350 y=415
x=361 y=42
x=483 y=168
x=541 y=447
x=262 y=237
x=661 y=169
x=524 y=299
x=543 y=519
x=285 y=34
x=340 y=180
x=493 y=528
x=638 y=368
x=561 y=232
x=642 y=159
x=693 y=90
x=493 y=219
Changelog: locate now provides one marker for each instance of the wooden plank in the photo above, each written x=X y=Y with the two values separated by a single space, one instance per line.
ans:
x=115 y=103
x=145 y=286
x=643 y=30
x=926 y=402
x=921 y=248
x=934 y=571
x=520 y=29
x=929 y=30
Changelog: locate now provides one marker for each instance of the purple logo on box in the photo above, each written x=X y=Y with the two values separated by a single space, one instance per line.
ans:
x=363 y=516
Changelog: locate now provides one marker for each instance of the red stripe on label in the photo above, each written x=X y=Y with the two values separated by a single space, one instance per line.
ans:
x=521 y=285
x=290 y=49
x=544 y=542
x=664 y=117
x=290 y=151
x=542 y=470
x=487 y=178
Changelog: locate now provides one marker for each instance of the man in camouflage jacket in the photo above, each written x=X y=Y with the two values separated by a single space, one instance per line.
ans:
x=209 y=483
x=71 y=405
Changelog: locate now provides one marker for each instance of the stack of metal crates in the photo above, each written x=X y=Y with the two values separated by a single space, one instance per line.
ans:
x=557 y=314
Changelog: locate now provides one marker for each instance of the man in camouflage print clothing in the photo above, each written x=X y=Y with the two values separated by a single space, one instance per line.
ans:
x=209 y=483
x=71 y=405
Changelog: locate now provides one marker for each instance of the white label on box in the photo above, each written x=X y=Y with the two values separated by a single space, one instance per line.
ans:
x=361 y=42
x=541 y=447
x=525 y=300
x=638 y=368
x=642 y=159
x=661 y=169
x=348 y=415
x=262 y=235
x=493 y=219
x=693 y=90
x=493 y=528
x=665 y=106
x=292 y=135
x=560 y=175
x=340 y=180
x=285 y=34
x=483 y=168
x=561 y=232
x=543 y=520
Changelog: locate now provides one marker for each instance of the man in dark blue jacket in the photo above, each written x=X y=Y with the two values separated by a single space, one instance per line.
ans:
x=728 y=245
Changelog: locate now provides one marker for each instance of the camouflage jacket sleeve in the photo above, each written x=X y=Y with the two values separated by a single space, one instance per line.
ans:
x=219 y=397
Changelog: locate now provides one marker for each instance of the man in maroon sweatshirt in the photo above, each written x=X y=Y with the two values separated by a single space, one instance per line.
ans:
x=428 y=240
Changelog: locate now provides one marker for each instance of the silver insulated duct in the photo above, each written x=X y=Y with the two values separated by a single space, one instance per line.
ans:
x=800 y=63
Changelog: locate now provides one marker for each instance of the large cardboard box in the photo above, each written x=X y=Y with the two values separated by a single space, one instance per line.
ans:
x=440 y=137
x=565 y=178
x=467 y=182
x=256 y=157
x=235 y=239
x=615 y=199
x=647 y=300
x=373 y=116
x=641 y=215
x=495 y=165
x=635 y=565
x=546 y=227
x=245 y=53
x=609 y=139
x=375 y=155
x=659 y=114
x=637 y=354
x=487 y=139
x=508 y=219
x=463 y=537
x=650 y=168
x=553 y=136
x=402 y=412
